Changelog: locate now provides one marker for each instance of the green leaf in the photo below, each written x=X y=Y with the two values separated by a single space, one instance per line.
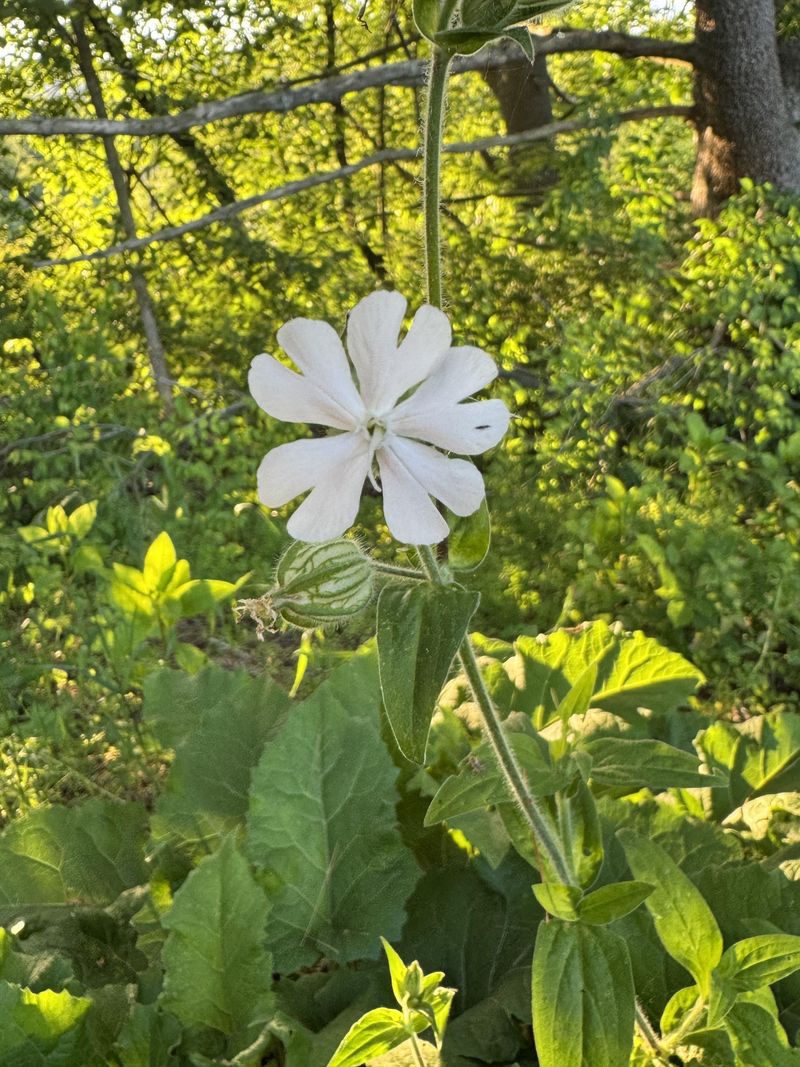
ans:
x=758 y=1038
x=426 y=17
x=467 y=40
x=397 y=970
x=377 y=1032
x=559 y=900
x=218 y=723
x=82 y=519
x=761 y=961
x=42 y=1029
x=159 y=562
x=479 y=782
x=620 y=763
x=579 y=698
x=684 y=922
x=420 y=629
x=523 y=37
x=611 y=902
x=469 y=540
x=762 y=756
x=87 y=853
x=129 y=593
x=582 y=833
x=322 y=825
x=216 y=970
x=633 y=671
x=720 y=1001
x=56 y=520
x=147 y=1038
x=204 y=594
x=583 y=1001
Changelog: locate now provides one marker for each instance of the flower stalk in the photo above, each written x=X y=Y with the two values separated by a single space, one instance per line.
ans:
x=536 y=815
x=434 y=125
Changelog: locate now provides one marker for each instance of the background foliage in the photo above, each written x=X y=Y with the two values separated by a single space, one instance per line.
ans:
x=650 y=478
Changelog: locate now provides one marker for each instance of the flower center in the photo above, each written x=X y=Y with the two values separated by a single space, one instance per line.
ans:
x=375 y=426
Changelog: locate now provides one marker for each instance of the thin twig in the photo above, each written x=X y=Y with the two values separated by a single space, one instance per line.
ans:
x=391 y=155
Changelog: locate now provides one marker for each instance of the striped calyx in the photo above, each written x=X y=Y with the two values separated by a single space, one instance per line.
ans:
x=322 y=583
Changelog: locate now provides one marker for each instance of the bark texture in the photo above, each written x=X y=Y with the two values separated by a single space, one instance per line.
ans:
x=744 y=120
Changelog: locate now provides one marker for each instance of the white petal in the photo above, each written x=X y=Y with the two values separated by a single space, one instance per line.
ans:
x=316 y=350
x=465 y=428
x=332 y=505
x=372 y=331
x=462 y=372
x=410 y=514
x=292 y=398
x=294 y=468
x=457 y=483
x=424 y=347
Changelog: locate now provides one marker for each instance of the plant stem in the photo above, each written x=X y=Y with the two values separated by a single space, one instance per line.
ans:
x=689 y=1021
x=434 y=124
x=399 y=572
x=649 y=1035
x=417 y=1051
x=536 y=816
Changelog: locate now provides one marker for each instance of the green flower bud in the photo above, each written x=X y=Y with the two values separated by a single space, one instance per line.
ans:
x=321 y=584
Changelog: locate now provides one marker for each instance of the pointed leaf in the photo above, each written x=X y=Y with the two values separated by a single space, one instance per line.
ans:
x=624 y=764
x=216 y=970
x=82 y=519
x=758 y=1038
x=377 y=1032
x=583 y=1001
x=420 y=630
x=469 y=540
x=159 y=562
x=611 y=902
x=761 y=961
x=684 y=922
x=559 y=900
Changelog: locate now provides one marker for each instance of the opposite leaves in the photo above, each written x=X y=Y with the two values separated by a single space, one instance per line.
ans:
x=583 y=1000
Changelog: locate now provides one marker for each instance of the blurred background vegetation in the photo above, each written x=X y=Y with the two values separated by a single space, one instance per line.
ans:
x=652 y=474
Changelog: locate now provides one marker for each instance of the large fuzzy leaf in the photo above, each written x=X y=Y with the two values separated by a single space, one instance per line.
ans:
x=218 y=723
x=479 y=929
x=217 y=971
x=89 y=853
x=633 y=671
x=42 y=1029
x=322 y=826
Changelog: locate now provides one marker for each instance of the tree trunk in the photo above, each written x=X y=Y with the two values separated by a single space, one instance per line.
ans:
x=744 y=120
x=147 y=314
x=522 y=91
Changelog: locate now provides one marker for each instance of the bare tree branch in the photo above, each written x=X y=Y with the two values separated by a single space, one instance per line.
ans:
x=390 y=155
x=331 y=90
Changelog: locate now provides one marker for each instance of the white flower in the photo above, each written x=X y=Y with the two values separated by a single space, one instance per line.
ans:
x=381 y=421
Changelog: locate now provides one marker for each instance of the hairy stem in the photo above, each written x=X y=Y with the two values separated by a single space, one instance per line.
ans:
x=417 y=1051
x=536 y=816
x=398 y=572
x=434 y=124
x=649 y=1036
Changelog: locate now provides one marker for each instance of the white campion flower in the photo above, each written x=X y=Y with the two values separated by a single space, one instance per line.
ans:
x=408 y=397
